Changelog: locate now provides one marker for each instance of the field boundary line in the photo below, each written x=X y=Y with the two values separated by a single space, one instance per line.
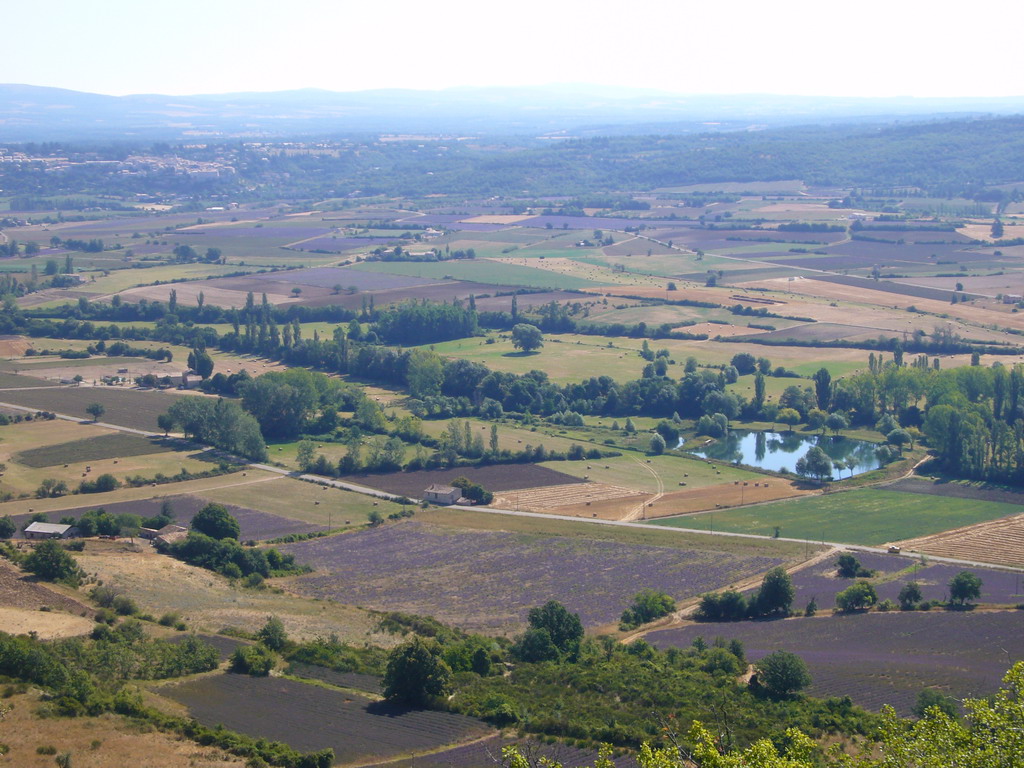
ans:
x=687 y=607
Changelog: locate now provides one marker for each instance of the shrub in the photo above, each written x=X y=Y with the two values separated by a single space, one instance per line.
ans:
x=255 y=660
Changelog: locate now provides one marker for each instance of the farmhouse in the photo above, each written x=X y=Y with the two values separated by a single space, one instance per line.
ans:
x=442 y=494
x=152 y=533
x=170 y=537
x=50 y=531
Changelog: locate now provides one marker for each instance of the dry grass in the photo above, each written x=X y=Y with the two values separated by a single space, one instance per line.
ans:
x=1000 y=542
x=47 y=625
x=98 y=742
x=209 y=602
x=574 y=498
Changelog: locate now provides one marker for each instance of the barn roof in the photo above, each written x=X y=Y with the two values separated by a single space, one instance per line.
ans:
x=59 y=528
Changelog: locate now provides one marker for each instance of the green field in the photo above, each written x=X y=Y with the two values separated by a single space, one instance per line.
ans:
x=867 y=516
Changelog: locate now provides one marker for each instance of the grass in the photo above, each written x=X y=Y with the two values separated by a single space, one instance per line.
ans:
x=865 y=516
x=479 y=271
x=633 y=471
x=48 y=450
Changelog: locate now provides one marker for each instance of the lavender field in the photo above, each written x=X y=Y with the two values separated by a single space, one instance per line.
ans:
x=821 y=581
x=882 y=658
x=487 y=581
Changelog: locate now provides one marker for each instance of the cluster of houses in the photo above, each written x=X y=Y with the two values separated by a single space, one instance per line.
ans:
x=166 y=535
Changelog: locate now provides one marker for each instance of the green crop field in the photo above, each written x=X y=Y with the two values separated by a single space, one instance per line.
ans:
x=867 y=516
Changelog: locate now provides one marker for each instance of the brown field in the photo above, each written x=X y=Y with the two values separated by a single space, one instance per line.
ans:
x=47 y=625
x=726 y=495
x=99 y=742
x=575 y=496
x=124 y=407
x=975 y=312
x=25 y=593
x=499 y=219
x=188 y=294
x=447 y=291
x=1000 y=542
x=13 y=346
x=495 y=478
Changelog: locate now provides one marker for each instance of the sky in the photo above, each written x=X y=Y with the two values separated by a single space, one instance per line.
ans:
x=792 y=47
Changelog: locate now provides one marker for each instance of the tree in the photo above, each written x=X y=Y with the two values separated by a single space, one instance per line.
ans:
x=527 y=337
x=51 y=562
x=565 y=628
x=272 y=634
x=836 y=422
x=165 y=423
x=776 y=593
x=744 y=362
x=823 y=387
x=856 y=597
x=7 y=527
x=781 y=674
x=647 y=605
x=816 y=463
x=898 y=437
x=424 y=373
x=215 y=521
x=416 y=672
x=657 y=444
x=964 y=588
x=255 y=660
x=305 y=455
x=789 y=416
x=849 y=567
x=909 y=596
x=95 y=410
x=929 y=698
x=199 y=360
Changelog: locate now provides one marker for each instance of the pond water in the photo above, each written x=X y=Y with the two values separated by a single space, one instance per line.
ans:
x=776 y=451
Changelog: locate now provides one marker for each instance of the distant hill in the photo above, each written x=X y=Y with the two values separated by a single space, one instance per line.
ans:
x=32 y=113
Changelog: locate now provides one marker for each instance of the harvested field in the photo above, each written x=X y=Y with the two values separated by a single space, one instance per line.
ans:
x=310 y=717
x=882 y=658
x=822 y=332
x=112 y=446
x=449 y=291
x=576 y=494
x=886 y=286
x=487 y=581
x=1000 y=542
x=125 y=407
x=26 y=593
x=495 y=478
x=13 y=346
x=325 y=277
x=45 y=624
x=99 y=742
x=1009 y=282
x=256 y=526
x=15 y=381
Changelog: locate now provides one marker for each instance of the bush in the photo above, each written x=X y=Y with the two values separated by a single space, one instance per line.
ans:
x=169 y=619
x=856 y=597
x=781 y=674
x=50 y=562
x=647 y=605
x=255 y=660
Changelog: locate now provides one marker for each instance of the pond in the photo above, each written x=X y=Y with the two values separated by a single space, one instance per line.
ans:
x=776 y=451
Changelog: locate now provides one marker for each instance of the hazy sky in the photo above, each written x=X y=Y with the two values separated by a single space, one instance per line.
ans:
x=824 y=47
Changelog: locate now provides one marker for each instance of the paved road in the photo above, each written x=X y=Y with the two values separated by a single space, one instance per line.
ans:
x=665 y=529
